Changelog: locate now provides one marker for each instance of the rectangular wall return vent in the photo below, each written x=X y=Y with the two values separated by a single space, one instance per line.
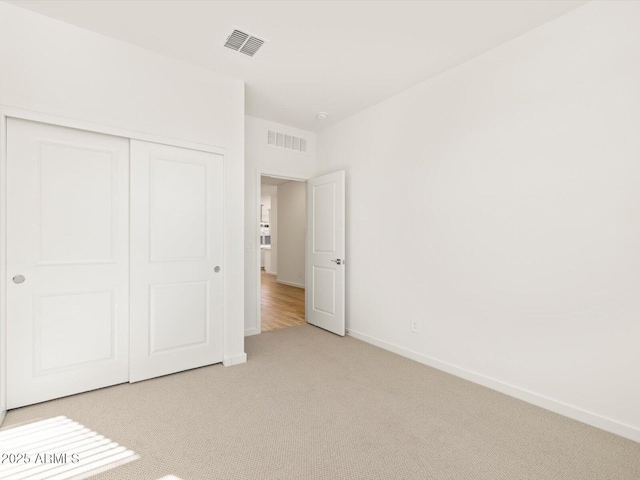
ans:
x=244 y=43
x=290 y=142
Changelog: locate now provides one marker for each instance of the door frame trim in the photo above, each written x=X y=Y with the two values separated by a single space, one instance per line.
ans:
x=3 y=264
x=260 y=172
x=7 y=111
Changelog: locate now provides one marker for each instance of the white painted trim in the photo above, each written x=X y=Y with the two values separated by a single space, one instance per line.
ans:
x=3 y=266
x=291 y=284
x=24 y=114
x=230 y=361
x=7 y=111
x=258 y=259
x=571 y=411
x=256 y=222
x=251 y=331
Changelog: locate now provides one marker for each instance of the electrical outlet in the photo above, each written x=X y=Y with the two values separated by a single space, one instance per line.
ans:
x=415 y=325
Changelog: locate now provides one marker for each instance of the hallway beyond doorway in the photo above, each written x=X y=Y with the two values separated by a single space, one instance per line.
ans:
x=282 y=306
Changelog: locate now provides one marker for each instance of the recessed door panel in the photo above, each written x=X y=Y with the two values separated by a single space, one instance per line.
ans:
x=324 y=206
x=178 y=208
x=72 y=231
x=176 y=245
x=85 y=316
x=178 y=316
x=324 y=299
x=67 y=261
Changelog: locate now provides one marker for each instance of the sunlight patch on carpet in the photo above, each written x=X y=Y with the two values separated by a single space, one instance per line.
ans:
x=57 y=449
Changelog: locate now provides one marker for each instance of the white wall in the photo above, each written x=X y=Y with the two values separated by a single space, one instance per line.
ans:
x=269 y=203
x=292 y=224
x=269 y=190
x=58 y=69
x=265 y=202
x=499 y=204
x=261 y=158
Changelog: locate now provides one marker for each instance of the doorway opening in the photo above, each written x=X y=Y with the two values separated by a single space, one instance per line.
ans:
x=283 y=222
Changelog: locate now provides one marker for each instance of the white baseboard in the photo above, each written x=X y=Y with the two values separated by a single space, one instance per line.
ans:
x=2 y=414
x=576 y=413
x=230 y=361
x=251 y=331
x=291 y=284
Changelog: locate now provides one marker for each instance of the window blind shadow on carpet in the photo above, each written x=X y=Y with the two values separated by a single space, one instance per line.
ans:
x=57 y=448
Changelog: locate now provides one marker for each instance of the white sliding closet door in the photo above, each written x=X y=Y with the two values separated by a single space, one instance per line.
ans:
x=176 y=259
x=67 y=261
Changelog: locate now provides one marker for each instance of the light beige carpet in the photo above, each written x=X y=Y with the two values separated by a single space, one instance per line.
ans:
x=311 y=405
x=58 y=448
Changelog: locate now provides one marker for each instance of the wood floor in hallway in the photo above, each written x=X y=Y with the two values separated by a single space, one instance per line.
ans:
x=281 y=305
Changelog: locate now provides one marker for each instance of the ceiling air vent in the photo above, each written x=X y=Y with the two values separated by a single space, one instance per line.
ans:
x=244 y=43
x=288 y=142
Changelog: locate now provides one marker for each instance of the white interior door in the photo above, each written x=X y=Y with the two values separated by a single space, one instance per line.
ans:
x=176 y=259
x=325 y=252
x=67 y=261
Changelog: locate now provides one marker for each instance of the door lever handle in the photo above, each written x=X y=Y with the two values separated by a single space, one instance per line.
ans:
x=338 y=261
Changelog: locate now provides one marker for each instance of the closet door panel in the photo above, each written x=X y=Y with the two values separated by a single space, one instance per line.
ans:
x=176 y=259
x=67 y=261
